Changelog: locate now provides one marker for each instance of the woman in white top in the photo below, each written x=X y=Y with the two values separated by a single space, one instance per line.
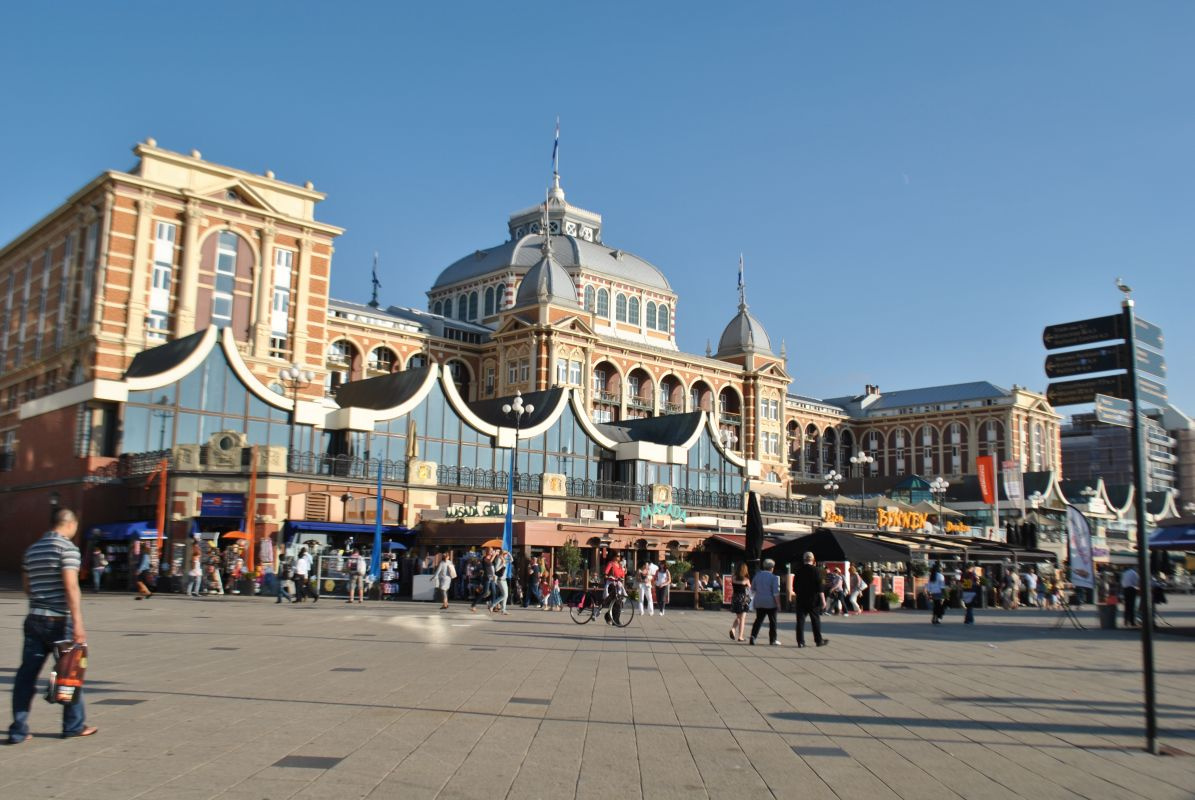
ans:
x=195 y=573
x=936 y=589
x=663 y=585
x=444 y=575
x=302 y=571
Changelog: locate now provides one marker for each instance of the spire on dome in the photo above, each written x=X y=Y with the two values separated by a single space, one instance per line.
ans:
x=742 y=286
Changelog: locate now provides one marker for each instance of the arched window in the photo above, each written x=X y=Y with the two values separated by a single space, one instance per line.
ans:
x=382 y=359
x=662 y=318
x=620 y=308
x=438 y=309
x=462 y=307
x=603 y=303
x=500 y=300
x=473 y=306
x=416 y=361
x=651 y=316
x=590 y=298
x=489 y=300
x=633 y=311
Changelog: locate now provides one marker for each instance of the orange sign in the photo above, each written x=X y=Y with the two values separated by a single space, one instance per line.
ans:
x=986 y=467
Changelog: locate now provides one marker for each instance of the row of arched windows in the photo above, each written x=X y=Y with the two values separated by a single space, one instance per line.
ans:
x=628 y=309
x=466 y=308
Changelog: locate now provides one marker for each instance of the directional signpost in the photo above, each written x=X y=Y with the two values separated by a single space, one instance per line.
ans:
x=1113 y=411
x=1133 y=348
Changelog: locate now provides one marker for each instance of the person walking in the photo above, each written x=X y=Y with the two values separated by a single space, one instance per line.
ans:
x=643 y=586
x=195 y=572
x=51 y=581
x=99 y=563
x=1130 y=587
x=502 y=582
x=810 y=600
x=286 y=581
x=834 y=592
x=302 y=577
x=971 y=589
x=767 y=599
x=143 y=570
x=1029 y=579
x=663 y=583
x=213 y=570
x=554 y=601
x=740 y=602
x=356 y=567
x=854 y=588
x=936 y=589
x=445 y=574
x=485 y=591
x=531 y=593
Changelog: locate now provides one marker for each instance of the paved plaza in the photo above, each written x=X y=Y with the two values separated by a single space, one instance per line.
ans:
x=242 y=698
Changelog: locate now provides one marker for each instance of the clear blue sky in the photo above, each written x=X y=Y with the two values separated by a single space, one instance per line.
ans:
x=917 y=188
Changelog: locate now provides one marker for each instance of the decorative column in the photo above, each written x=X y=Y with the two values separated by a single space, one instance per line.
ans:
x=103 y=250
x=302 y=300
x=139 y=285
x=188 y=286
x=264 y=292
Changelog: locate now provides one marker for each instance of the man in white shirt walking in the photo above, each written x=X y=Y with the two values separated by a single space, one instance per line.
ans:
x=1130 y=585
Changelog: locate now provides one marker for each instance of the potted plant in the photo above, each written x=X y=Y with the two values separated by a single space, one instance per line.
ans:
x=891 y=600
x=711 y=600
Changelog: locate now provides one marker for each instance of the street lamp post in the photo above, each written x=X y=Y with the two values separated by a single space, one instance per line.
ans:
x=863 y=461
x=516 y=408
x=832 y=481
x=162 y=411
x=294 y=378
x=938 y=488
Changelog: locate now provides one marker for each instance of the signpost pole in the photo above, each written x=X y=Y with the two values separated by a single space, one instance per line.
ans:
x=1145 y=593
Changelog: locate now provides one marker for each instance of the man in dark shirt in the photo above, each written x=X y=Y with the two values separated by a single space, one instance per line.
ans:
x=51 y=576
x=810 y=601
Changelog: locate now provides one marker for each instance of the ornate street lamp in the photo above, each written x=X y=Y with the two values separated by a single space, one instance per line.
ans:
x=832 y=481
x=938 y=488
x=863 y=461
x=294 y=378
x=515 y=408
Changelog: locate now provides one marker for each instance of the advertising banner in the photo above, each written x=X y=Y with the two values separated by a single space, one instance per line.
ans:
x=986 y=467
x=1078 y=532
x=1014 y=484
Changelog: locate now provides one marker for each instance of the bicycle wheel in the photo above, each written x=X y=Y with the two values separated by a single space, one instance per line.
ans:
x=623 y=611
x=582 y=610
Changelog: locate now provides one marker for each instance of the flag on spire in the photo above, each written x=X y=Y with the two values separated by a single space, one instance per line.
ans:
x=556 y=149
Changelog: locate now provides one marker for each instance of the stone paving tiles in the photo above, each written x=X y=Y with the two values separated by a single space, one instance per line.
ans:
x=250 y=699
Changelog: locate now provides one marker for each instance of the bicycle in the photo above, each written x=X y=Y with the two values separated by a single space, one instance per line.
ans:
x=593 y=602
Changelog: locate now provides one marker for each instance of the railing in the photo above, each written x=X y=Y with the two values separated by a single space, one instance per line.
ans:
x=133 y=464
x=800 y=508
x=487 y=479
x=346 y=467
x=607 y=490
x=856 y=513
x=672 y=408
x=609 y=398
x=730 y=418
x=635 y=401
x=696 y=498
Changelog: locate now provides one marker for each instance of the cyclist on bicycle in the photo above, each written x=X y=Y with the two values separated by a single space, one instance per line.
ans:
x=615 y=574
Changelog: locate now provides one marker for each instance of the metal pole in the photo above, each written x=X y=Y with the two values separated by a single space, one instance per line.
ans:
x=1145 y=592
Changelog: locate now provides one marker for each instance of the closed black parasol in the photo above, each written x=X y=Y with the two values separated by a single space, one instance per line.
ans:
x=754 y=546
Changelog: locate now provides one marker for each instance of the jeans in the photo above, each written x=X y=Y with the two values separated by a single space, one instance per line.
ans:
x=97 y=575
x=760 y=613
x=503 y=594
x=815 y=622
x=852 y=601
x=40 y=635
x=194 y=585
x=1130 y=605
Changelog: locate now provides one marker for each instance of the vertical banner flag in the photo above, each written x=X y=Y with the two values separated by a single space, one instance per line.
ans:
x=556 y=150
x=1014 y=484
x=986 y=467
x=1078 y=534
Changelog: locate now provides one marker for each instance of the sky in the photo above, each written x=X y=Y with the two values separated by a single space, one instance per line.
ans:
x=916 y=188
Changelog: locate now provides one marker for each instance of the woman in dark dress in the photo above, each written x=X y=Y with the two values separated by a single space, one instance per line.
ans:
x=740 y=601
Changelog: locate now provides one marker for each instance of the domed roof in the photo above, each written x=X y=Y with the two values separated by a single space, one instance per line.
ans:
x=744 y=334
x=546 y=282
x=571 y=253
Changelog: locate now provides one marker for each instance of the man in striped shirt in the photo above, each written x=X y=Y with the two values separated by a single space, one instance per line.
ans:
x=55 y=613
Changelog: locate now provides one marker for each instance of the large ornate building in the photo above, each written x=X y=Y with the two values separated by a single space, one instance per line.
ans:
x=154 y=313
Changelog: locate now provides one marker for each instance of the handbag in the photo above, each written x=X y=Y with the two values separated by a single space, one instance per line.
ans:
x=66 y=679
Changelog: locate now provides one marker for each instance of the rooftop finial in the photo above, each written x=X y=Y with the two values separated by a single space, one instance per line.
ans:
x=556 y=193
x=709 y=351
x=373 y=302
x=742 y=287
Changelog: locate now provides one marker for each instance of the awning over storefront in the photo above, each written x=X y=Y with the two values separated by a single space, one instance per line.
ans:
x=123 y=531
x=290 y=529
x=1173 y=537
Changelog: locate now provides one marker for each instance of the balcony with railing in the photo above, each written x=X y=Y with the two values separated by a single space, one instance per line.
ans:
x=639 y=401
x=696 y=498
x=801 y=508
x=607 y=398
x=730 y=418
x=672 y=408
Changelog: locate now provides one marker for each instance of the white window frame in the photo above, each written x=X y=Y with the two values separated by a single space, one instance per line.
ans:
x=227 y=276
x=574 y=372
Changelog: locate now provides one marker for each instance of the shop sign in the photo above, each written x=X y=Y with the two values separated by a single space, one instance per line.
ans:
x=831 y=516
x=478 y=510
x=671 y=511
x=957 y=527
x=909 y=520
x=221 y=504
x=898 y=586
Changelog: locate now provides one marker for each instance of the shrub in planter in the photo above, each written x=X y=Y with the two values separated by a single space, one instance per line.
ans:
x=711 y=601
x=893 y=599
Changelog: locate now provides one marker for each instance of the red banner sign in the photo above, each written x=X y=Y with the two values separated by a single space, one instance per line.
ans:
x=986 y=467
